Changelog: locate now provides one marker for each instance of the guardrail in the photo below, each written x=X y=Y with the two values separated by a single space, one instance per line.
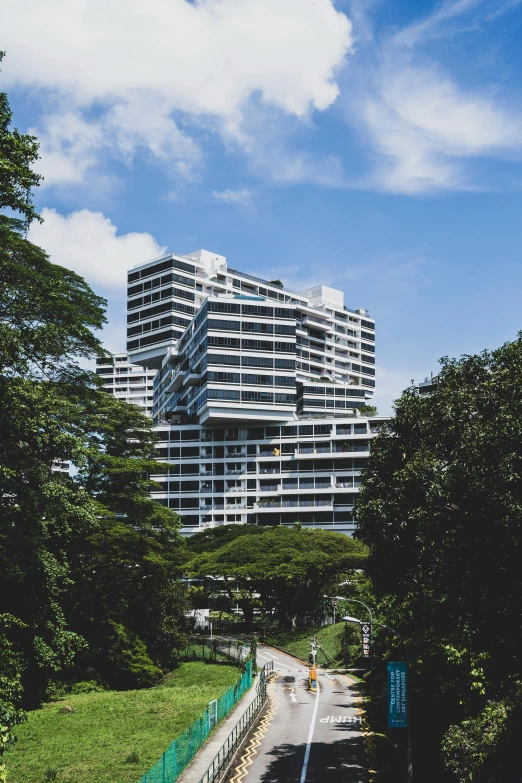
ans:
x=225 y=755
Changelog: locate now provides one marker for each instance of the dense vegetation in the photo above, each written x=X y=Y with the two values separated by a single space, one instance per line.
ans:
x=281 y=572
x=441 y=511
x=86 y=561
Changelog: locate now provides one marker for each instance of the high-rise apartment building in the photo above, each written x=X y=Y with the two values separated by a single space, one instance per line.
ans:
x=127 y=381
x=258 y=393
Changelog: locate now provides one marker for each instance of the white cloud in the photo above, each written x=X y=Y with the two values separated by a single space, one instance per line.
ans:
x=132 y=65
x=68 y=147
x=88 y=243
x=425 y=126
x=241 y=196
x=422 y=124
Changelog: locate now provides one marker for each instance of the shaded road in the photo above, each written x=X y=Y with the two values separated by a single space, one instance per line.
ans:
x=304 y=737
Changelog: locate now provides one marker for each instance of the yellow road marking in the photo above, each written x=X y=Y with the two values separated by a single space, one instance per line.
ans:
x=251 y=749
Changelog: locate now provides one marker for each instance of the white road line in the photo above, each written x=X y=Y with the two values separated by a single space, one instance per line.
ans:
x=309 y=740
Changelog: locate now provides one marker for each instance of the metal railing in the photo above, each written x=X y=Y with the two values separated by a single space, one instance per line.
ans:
x=226 y=753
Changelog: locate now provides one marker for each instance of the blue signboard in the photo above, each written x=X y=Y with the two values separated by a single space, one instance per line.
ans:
x=398 y=695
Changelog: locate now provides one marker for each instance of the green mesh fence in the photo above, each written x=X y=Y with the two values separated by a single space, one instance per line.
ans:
x=185 y=747
x=218 y=649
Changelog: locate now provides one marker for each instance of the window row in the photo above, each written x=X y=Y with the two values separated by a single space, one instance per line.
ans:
x=159 y=281
x=165 y=294
x=161 y=267
x=250 y=326
x=330 y=390
x=327 y=403
x=245 y=396
x=248 y=309
x=251 y=378
x=268 y=432
x=157 y=324
x=313 y=466
x=251 y=361
x=173 y=334
x=166 y=307
x=219 y=341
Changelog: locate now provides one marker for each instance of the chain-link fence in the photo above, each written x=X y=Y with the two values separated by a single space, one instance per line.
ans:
x=185 y=747
x=218 y=649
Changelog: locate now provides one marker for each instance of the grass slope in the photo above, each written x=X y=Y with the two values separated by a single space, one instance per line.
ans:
x=298 y=643
x=91 y=744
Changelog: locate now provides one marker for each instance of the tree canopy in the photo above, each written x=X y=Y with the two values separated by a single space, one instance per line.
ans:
x=288 y=568
x=87 y=560
x=441 y=510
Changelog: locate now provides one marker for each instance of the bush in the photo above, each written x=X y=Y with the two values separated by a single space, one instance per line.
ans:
x=59 y=690
x=468 y=745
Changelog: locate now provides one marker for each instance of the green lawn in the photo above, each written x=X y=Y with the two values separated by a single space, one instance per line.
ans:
x=298 y=643
x=91 y=744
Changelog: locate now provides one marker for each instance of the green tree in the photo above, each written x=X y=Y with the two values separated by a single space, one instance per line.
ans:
x=288 y=568
x=126 y=568
x=441 y=509
x=46 y=317
x=58 y=532
x=18 y=153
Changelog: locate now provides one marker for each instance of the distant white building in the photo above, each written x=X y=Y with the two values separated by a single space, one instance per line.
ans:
x=258 y=395
x=127 y=381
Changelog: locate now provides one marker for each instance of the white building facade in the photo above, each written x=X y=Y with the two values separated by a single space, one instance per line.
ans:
x=127 y=381
x=260 y=395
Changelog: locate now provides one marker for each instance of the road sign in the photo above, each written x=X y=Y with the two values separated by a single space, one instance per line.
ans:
x=366 y=635
x=398 y=695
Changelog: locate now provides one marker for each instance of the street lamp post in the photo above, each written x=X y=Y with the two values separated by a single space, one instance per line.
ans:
x=357 y=601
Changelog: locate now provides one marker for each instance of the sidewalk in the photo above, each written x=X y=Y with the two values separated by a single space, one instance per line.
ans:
x=204 y=757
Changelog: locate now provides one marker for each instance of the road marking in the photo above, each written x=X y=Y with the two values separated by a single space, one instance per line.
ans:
x=247 y=758
x=294 y=700
x=342 y=719
x=309 y=741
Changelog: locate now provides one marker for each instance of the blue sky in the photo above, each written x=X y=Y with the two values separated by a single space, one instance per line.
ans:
x=372 y=146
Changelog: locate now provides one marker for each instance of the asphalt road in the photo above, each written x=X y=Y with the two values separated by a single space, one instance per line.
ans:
x=304 y=737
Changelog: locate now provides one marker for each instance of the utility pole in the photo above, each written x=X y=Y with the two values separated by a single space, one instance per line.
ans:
x=312 y=679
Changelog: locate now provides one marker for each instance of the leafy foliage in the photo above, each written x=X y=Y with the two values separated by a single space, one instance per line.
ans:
x=86 y=561
x=441 y=510
x=468 y=745
x=288 y=568
x=47 y=313
x=18 y=152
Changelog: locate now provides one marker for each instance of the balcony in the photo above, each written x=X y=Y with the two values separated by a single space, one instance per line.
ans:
x=276 y=505
x=191 y=378
x=357 y=448
x=234 y=472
